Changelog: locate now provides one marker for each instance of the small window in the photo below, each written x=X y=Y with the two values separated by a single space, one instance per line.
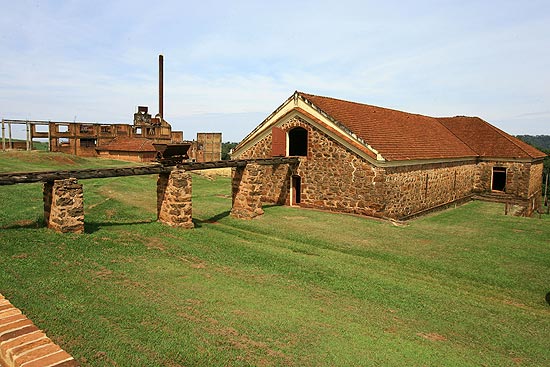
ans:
x=297 y=142
x=62 y=128
x=41 y=128
x=86 y=129
x=499 y=179
x=88 y=143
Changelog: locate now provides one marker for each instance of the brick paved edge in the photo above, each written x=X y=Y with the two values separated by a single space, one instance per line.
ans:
x=22 y=344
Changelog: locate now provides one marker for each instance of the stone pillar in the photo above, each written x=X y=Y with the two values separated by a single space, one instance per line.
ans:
x=174 y=199
x=246 y=190
x=64 y=206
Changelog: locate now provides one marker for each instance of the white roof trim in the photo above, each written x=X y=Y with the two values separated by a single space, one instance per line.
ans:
x=297 y=101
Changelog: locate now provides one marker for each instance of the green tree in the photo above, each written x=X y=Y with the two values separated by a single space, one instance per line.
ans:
x=226 y=149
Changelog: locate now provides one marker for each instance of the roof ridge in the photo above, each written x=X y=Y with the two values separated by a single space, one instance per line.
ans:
x=507 y=136
x=365 y=104
x=438 y=119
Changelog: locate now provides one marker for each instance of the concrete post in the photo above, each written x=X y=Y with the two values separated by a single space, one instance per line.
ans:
x=174 y=191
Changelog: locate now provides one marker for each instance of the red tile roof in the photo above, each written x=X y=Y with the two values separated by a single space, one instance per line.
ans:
x=394 y=134
x=400 y=135
x=487 y=140
x=128 y=144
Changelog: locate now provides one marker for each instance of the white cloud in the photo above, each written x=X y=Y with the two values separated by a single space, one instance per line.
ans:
x=237 y=61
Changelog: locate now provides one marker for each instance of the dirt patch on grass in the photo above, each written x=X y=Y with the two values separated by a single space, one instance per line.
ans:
x=103 y=273
x=435 y=337
x=23 y=255
x=155 y=244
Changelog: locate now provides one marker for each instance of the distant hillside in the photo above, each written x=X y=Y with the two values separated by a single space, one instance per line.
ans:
x=541 y=142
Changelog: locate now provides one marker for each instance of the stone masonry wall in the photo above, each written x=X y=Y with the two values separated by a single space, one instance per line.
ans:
x=517 y=177
x=64 y=206
x=412 y=189
x=535 y=179
x=276 y=179
x=331 y=176
x=174 y=191
x=334 y=178
x=535 y=188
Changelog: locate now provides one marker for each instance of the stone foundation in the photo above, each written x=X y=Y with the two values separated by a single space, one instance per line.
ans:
x=247 y=191
x=174 y=191
x=64 y=206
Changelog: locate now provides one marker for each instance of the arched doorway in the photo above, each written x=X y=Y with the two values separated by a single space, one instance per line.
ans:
x=297 y=142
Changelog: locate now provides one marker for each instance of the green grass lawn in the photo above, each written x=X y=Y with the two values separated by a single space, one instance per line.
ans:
x=462 y=287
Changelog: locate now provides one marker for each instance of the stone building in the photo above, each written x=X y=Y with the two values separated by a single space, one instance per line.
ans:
x=380 y=162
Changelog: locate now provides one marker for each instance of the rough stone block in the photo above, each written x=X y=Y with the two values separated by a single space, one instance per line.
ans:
x=174 y=193
x=64 y=206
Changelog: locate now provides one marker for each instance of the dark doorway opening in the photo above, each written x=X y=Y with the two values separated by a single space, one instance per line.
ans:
x=499 y=179
x=296 y=190
x=297 y=142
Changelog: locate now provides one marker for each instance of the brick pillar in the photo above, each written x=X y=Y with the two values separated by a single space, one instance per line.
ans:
x=174 y=199
x=64 y=206
x=246 y=190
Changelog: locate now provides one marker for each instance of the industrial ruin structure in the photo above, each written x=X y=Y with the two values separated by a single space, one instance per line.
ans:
x=375 y=161
x=133 y=142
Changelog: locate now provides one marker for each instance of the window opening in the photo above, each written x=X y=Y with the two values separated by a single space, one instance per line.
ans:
x=297 y=142
x=86 y=129
x=62 y=128
x=499 y=179
x=88 y=143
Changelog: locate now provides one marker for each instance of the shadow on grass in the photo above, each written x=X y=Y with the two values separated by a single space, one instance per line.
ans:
x=91 y=227
x=212 y=220
x=25 y=224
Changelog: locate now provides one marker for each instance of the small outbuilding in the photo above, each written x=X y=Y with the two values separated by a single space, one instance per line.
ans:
x=375 y=161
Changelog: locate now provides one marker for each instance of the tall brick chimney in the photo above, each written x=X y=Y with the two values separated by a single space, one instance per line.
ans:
x=161 y=86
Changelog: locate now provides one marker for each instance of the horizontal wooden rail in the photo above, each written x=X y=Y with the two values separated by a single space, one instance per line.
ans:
x=12 y=178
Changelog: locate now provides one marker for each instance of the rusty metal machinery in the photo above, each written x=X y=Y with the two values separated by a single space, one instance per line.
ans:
x=172 y=154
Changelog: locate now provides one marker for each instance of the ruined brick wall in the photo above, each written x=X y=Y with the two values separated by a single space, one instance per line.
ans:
x=518 y=176
x=412 y=189
x=128 y=156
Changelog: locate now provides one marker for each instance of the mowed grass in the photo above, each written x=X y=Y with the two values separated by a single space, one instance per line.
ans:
x=463 y=287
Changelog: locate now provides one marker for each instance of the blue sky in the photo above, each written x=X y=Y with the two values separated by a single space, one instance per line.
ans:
x=229 y=64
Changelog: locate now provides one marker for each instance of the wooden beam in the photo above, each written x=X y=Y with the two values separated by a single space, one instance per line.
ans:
x=12 y=178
